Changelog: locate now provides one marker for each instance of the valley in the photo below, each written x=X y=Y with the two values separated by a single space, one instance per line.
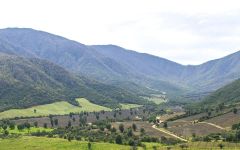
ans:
x=57 y=93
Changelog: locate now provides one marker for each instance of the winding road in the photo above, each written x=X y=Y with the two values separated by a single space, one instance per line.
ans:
x=169 y=133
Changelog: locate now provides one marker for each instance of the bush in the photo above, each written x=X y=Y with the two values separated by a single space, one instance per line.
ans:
x=118 y=139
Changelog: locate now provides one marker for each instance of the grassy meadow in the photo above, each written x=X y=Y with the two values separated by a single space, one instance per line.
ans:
x=128 y=106
x=157 y=99
x=43 y=143
x=57 y=108
x=26 y=131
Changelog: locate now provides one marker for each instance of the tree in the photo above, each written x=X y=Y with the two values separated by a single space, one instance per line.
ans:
x=130 y=133
x=27 y=125
x=20 y=127
x=113 y=129
x=182 y=146
x=12 y=126
x=235 y=110
x=134 y=126
x=56 y=122
x=6 y=132
x=89 y=146
x=221 y=146
x=69 y=124
x=165 y=125
x=35 y=111
x=121 y=128
x=71 y=114
x=51 y=122
x=209 y=113
x=142 y=131
x=97 y=116
x=45 y=125
x=118 y=139
x=35 y=124
x=108 y=126
x=4 y=127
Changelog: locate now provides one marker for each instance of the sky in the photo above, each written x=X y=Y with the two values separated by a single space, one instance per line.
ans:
x=184 y=31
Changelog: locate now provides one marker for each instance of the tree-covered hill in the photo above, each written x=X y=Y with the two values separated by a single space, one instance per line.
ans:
x=228 y=94
x=30 y=81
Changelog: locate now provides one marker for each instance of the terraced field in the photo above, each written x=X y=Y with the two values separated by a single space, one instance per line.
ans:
x=226 y=120
x=57 y=108
x=149 y=130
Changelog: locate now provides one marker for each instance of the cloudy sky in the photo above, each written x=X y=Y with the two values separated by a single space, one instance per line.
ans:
x=185 y=31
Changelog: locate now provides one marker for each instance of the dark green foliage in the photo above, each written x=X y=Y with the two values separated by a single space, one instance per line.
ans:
x=235 y=110
x=56 y=122
x=12 y=125
x=165 y=125
x=20 y=127
x=121 y=128
x=118 y=139
x=228 y=94
x=35 y=124
x=45 y=125
x=89 y=146
x=134 y=127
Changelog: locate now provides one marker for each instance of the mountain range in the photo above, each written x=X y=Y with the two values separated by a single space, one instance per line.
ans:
x=138 y=74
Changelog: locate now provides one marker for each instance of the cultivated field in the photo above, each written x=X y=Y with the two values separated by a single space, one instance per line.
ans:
x=63 y=120
x=200 y=129
x=226 y=120
x=57 y=108
x=149 y=130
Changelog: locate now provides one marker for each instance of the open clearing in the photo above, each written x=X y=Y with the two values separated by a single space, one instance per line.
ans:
x=157 y=99
x=57 y=108
x=128 y=106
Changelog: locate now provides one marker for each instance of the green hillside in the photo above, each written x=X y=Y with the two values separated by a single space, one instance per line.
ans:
x=29 y=82
x=227 y=94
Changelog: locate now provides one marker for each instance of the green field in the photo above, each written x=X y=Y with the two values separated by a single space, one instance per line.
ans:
x=26 y=131
x=57 y=108
x=157 y=99
x=128 y=106
x=43 y=143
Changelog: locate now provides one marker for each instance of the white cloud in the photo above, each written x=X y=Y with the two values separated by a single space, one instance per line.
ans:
x=186 y=31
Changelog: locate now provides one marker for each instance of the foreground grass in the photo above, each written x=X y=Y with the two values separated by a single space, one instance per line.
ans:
x=43 y=143
x=57 y=108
